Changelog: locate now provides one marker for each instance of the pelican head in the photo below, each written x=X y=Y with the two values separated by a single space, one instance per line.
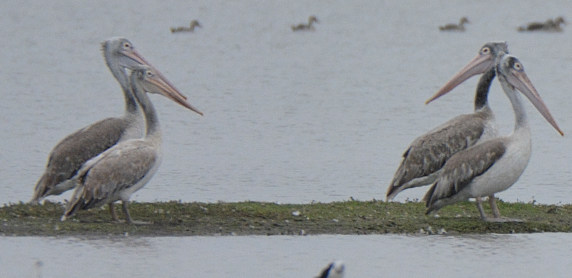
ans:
x=488 y=56
x=124 y=53
x=511 y=70
x=560 y=20
x=148 y=79
x=463 y=20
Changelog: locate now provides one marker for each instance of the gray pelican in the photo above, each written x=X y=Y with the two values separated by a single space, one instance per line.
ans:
x=193 y=24
x=303 y=26
x=73 y=151
x=549 y=26
x=333 y=270
x=126 y=167
x=455 y=27
x=494 y=165
x=423 y=159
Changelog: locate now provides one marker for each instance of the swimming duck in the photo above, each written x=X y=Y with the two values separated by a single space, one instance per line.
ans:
x=549 y=26
x=303 y=26
x=194 y=24
x=455 y=27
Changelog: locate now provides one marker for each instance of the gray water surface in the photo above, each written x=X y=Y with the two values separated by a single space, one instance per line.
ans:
x=290 y=117
x=537 y=255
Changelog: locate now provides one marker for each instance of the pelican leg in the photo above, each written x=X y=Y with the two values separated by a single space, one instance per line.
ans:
x=493 y=204
x=128 y=219
x=480 y=207
x=113 y=213
x=496 y=212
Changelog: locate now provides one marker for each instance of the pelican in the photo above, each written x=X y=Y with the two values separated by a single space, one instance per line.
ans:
x=549 y=26
x=494 y=165
x=303 y=26
x=126 y=167
x=333 y=270
x=423 y=159
x=193 y=24
x=455 y=27
x=73 y=151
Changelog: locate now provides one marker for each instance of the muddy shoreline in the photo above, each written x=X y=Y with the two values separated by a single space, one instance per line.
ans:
x=258 y=218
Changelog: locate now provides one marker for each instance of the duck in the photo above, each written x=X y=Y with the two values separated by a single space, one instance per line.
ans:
x=548 y=26
x=191 y=27
x=455 y=27
x=308 y=26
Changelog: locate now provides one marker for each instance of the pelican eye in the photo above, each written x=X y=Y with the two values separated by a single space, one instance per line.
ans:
x=518 y=66
x=486 y=50
x=126 y=45
x=149 y=74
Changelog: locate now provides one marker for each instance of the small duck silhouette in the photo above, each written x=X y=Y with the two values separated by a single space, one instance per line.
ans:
x=194 y=24
x=303 y=26
x=455 y=27
x=548 y=26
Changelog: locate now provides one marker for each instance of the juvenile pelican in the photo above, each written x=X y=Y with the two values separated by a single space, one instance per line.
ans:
x=73 y=151
x=303 y=26
x=194 y=24
x=455 y=27
x=423 y=159
x=128 y=166
x=549 y=26
x=496 y=164
x=333 y=270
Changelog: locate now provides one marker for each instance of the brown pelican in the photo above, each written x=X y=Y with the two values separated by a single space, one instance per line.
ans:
x=128 y=166
x=496 y=164
x=73 y=151
x=303 y=26
x=455 y=27
x=549 y=26
x=423 y=160
x=333 y=270
x=194 y=24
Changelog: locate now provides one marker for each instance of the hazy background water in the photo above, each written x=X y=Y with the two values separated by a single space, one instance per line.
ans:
x=289 y=117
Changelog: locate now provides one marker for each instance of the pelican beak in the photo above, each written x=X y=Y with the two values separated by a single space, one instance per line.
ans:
x=172 y=93
x=135 y=55
x=480 y=64
x=519 y=80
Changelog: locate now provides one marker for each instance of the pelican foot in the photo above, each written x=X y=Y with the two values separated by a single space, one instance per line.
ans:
x=503 y=220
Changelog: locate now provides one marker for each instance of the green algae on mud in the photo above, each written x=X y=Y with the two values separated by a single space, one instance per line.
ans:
x=258 y=218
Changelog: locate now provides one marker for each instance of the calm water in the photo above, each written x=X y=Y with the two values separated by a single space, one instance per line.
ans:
x=538 y=255
x=289 y=117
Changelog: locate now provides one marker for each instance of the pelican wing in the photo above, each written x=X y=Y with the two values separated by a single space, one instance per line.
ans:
x=67 y=157
x=463 y=167
x=429 y=152
x=117 y=169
